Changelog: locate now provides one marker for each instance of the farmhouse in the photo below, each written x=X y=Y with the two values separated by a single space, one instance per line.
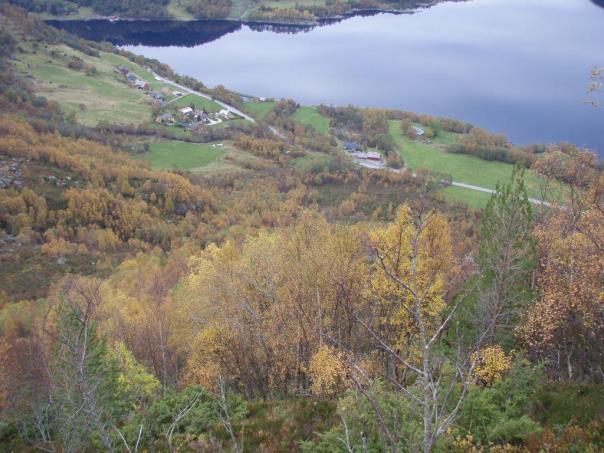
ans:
x=186 y=110
x=371 y=155
x=157 y=95
x=352 y=146
x=141 y=84
x=201 y=116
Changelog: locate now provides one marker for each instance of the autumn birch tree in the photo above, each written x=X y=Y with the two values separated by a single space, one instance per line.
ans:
x=414 y=270
x=565 y=327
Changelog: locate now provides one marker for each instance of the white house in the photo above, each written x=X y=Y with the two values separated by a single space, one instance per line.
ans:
x=419 y=131
x=186 y=110
x=141 y=84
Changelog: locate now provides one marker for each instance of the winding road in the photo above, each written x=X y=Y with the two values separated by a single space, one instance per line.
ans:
x=484 y=189
x=374 y=166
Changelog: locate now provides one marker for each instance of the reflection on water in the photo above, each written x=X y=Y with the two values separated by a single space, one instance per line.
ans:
x=160 y=33
x=515 y=66
x=163 y=33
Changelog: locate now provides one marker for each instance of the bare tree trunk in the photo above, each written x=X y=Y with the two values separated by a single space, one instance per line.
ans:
x=223 y=414
x=178 y=417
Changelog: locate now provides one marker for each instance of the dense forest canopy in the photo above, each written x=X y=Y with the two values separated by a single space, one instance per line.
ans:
x=281 y=297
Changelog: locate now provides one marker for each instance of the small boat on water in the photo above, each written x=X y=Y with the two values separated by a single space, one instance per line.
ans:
x=114 y=19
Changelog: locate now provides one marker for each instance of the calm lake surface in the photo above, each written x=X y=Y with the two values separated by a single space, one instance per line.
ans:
x=520 y=67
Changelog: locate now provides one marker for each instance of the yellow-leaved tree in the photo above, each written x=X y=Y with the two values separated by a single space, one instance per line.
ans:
x=415 y=270
x=565 y=326
x=414 y=263
x=491 y=364
x=328 y=372
x=262 y=309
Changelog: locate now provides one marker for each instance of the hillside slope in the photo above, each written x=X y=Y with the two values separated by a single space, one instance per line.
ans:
x=175 y=278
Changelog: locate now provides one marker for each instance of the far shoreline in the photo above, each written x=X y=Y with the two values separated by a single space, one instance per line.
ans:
x=326 y=20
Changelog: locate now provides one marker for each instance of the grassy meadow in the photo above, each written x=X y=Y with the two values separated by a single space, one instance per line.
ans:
x=258 y=109
x=310 y=116
x=462 y=167
x=199 y=102
x=167 y=155
x=103 y=96
x=311 y=160
x=471 y=198
x=305 y=114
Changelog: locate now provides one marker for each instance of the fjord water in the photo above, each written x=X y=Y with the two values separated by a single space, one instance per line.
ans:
x=520 y=67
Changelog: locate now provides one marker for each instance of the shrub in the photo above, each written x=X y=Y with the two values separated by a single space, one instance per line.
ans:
x=558 y=404
x=493 y=363
x=327 y=372
x=90 y=70
x=499 y=414
x=393 y=160
x=360 y=424
x=75 y=63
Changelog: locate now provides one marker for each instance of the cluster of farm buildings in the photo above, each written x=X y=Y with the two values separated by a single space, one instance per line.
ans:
x=142 y=85
x=192 y=118
x=356 y=151
x=133 y=78
x=187 y=117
